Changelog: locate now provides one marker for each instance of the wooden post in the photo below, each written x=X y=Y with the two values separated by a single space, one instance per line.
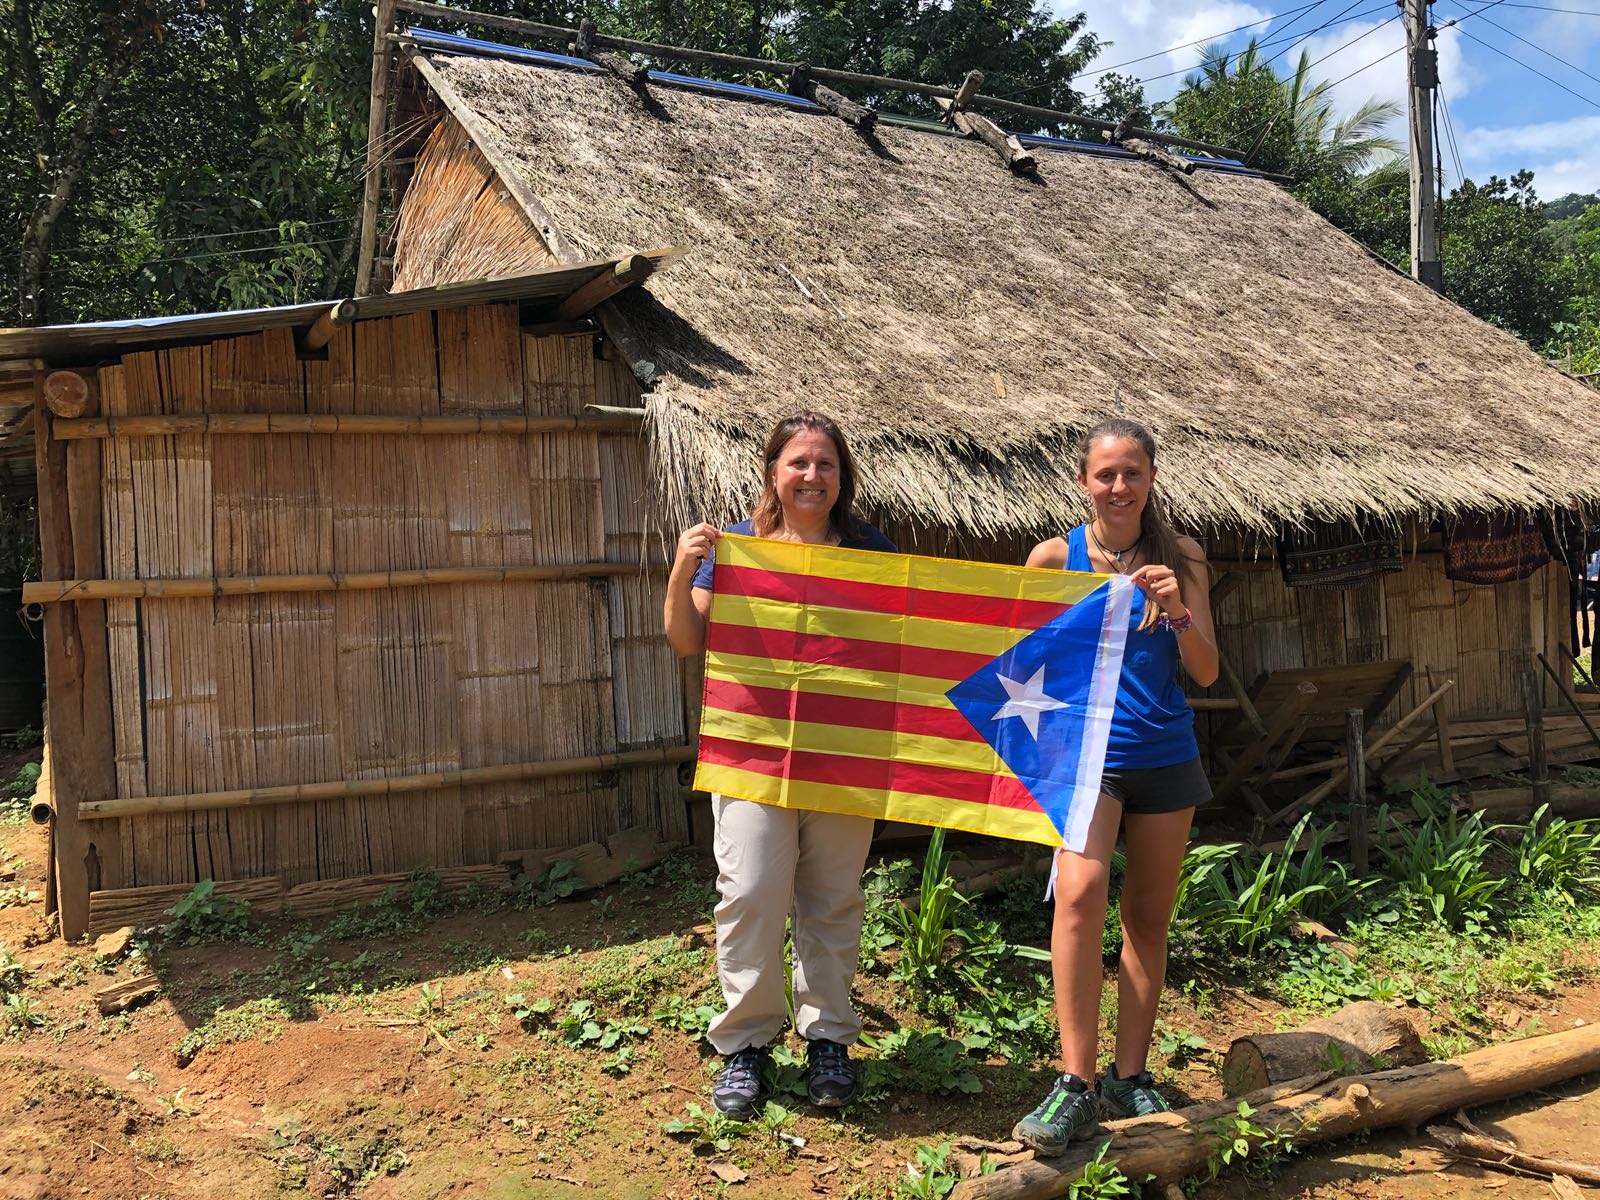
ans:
x=803 y=85
x=1538 y=762
x=377 y=121
x=324 y=327
x=1441 y=723
x=68 y=393
x=1354 y=745
x=583 y=46
x=1567 y=694
x=77 y=672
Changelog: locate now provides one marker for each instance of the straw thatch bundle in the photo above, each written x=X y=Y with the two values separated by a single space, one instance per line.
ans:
x=965 y=324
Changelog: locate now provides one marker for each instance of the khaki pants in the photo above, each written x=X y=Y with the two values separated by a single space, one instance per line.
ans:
x=772 y=863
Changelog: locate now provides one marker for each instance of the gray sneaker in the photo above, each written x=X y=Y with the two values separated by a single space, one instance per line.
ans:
x=1135 y=1096
x=1069 y=1111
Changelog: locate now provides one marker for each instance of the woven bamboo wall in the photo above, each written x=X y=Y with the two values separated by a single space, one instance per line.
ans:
x=248 y=691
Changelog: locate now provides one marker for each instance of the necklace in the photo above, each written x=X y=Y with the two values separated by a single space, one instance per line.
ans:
x=1116 y=555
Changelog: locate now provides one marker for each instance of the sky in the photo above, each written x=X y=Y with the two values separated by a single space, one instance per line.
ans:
x=1504 y=116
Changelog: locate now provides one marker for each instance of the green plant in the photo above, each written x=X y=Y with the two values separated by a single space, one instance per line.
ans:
x=1179 y=1045
x=16 y=897
x=929 y=1176
x=19 y=789
x=1016 y=1026
x=920 y=1060
x=923 y=933
x=20 y=1016
x=1558 y=855
x=707 y=1128
x=204 y=916
x=676 y=1012
x=12 y=973
x=428 y=1001
x=884 y=884
x=1236 y=1139
x=1101 y=1180
x=528 y=1012
x=1442 y=862
x=583 y=1026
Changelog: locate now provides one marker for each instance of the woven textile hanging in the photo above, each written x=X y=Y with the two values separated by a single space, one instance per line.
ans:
x=1337 y=554
x=1493 y=548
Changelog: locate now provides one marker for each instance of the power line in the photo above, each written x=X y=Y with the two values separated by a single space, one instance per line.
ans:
x=1273 y=41
x=1450 y=133
x=1536 y=46
x=1291 y=15
x=1319 y=29
x=1577 y=12
x=1489 y=45
x=151 y=262
x=75 y=251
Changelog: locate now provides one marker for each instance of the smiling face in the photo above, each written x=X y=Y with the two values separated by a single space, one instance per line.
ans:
x=805 y=477
x=1117 y=479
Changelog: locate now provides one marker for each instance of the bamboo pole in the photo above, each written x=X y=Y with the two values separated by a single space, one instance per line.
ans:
x=1355 y=738
x=739 y=63
x=611 y=420
x=324 y=327
x=1538 y=759
x=631 y=270
x=394 y=785
x=377 y=118
x=56 y=591
x=1567 y=694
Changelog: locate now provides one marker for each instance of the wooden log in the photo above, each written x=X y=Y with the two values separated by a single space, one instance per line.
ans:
x=1241 y=694
x=802 y=84
x=348 y=424
x=68 y=393
x=1356 y=1039
x=144 y=906
x=1324 y=790
x=1356 y=766
x=1007 y=147
x=1471 y=1142
x=377 y=116
x=388 y=785
x=635 y=76
x=323 y=896
x=1173 y=1145
x=1538 y=761
x=1511 y=803
x=1441 y=724
x=123 y=994
x=964 y=94
x=56 y=591
x=1151 y=152
x=629 y=271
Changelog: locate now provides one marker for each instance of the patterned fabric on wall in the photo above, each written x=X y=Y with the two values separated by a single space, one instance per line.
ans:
x=1337 y=554
x=1488 y=549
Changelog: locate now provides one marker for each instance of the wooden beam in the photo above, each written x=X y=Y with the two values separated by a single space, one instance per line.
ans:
x=1153 y=153
x=1247 y=708
x=741 y=65
x=803 y=85
x=630 y=271
x=1538 y=760
x=583 y=46
x=1284 y=719
x=377 y=121
x=1011 y=152
x=1354 y=741
x=343 y=424
x=68 y=393
x=1441 y=723
x=393 y=785
x=317 y=336
x=1568 y=696
x=962 y=100
x=77 y=673
x=64 y=591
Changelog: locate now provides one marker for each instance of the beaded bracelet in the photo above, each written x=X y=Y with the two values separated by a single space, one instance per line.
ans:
x=1176 y=624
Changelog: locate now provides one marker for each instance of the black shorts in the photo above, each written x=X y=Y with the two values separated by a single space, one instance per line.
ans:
x=1158 y=789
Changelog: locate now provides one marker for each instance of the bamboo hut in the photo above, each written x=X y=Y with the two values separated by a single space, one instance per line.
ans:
x=336 y=591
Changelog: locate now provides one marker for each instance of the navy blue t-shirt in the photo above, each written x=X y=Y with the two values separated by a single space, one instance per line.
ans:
x=870 y=539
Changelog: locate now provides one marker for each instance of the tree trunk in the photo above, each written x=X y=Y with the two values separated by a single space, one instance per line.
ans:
x=1172 y=1146
x=1360 y=1037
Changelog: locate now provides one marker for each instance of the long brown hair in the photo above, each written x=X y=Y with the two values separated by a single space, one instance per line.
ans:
x=767 y=517
x=1157 y=536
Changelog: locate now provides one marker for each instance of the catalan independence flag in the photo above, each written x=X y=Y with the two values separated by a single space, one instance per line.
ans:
x=968 y=695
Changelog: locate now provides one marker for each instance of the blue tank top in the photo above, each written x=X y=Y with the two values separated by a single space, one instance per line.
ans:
x=1153 y=725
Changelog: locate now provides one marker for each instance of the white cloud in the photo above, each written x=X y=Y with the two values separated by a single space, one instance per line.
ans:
x=1564 y=156
x=1143 y=27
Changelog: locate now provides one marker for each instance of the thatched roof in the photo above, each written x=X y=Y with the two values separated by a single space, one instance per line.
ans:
x=964 y=324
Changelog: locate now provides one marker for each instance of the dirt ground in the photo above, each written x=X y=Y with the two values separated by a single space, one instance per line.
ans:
x=350 y=1062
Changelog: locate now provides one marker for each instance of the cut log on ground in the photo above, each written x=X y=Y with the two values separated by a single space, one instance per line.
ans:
x=123 y=994
x=1360 y=1037
x=1172 y=1146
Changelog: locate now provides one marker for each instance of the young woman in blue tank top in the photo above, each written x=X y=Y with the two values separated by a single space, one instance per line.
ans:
x=1153 y=780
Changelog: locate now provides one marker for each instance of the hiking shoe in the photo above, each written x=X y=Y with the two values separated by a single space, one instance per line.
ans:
x=740 y=1088
x=1068 y=1112
x=830 y=1075
x=1135 y=1096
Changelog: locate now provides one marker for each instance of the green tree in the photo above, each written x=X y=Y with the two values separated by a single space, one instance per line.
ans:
x=1577 y=334
x=1499 y=261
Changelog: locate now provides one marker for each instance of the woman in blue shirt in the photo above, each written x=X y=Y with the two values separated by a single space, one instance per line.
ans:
x=1152 y=783
x=773 y=862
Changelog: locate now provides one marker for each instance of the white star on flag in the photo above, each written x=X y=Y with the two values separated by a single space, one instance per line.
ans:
x=1028 y=701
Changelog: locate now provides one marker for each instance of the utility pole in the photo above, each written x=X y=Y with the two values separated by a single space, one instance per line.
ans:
x=1423 y=71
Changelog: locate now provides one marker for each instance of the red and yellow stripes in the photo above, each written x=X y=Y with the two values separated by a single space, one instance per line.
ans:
x=826 y=674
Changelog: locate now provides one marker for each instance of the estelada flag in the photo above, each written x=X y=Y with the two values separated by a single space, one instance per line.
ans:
x=968 y=695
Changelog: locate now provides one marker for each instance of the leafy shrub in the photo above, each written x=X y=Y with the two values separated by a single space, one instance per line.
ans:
x=1442 y=862
x=204 y=916
x=1558 y=855
x=918 y=1060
